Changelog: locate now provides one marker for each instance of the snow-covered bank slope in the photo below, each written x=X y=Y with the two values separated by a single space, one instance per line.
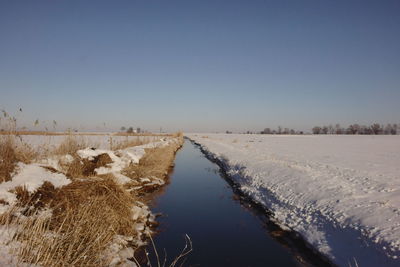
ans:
x=341 y=193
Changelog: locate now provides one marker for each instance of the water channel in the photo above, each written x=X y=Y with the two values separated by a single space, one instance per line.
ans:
x=225 y=228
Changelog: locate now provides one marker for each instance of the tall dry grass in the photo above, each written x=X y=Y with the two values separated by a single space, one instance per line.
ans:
x=156 y=163
x=8 y=158
x=7 y=131
x=86 y=214
x=138 y=141
x=11 y=154
x=70 y=145
x=85 y=217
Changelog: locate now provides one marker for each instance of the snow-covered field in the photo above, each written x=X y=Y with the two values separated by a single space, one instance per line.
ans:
x=102 y=141
x=341 y=193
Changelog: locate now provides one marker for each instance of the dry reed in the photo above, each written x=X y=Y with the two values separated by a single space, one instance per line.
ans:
x=138 y=141
x=86 y=215
x=70 y=145
x=155 y=163
x=11 y=153
x=8 y=158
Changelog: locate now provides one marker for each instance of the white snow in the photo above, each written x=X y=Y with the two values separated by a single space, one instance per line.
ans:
x=31 y=177
x=341 y=193
x=8 y=246
x=122 y=158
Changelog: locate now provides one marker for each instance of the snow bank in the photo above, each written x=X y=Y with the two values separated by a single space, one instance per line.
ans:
x=122 y=158
x=341 y=193
x=31 y=177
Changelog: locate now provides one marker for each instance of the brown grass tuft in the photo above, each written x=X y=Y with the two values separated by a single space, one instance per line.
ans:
x=70 y=145
x=155 y=163
x=11 y=153
x=135 y=142
x=32 y=202
x=8 y=158
x=84 y=167
x=86 y=216
x=25 y=153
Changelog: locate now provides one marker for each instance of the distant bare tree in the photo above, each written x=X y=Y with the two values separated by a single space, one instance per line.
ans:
x=353 y=129
x=376 y=128
x=394 y=129
x=286 y=131
x=267 y=131
x=316 y=130
x=324 y=130
x=338 y=129
x=331 y=130
x=365 y=130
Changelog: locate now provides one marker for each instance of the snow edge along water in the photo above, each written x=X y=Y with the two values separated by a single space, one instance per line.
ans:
x=343 y=246
x=304 y=252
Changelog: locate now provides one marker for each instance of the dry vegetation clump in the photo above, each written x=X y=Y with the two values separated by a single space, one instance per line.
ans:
x=25 y=153
x=32 y=202
x=8 y=158
x=85 y=167
x=85 y=217
x=135 y=142
x=156 y=135
x=11 y=153
x=70 y=145
x=154 y=164
x=78 y=167
x=73 y=225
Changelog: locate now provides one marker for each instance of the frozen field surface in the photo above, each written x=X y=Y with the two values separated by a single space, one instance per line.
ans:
x=341 y=193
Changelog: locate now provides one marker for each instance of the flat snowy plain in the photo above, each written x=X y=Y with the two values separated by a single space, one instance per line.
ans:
x=340 y=193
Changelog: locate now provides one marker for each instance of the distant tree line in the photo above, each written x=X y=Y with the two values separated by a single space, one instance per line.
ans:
x=280 y=130
x=375 y=128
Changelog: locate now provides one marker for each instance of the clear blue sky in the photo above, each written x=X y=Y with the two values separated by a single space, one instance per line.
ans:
x=200 y=65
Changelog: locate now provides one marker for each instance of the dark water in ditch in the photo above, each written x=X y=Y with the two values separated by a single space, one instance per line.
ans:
x=224 y=230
